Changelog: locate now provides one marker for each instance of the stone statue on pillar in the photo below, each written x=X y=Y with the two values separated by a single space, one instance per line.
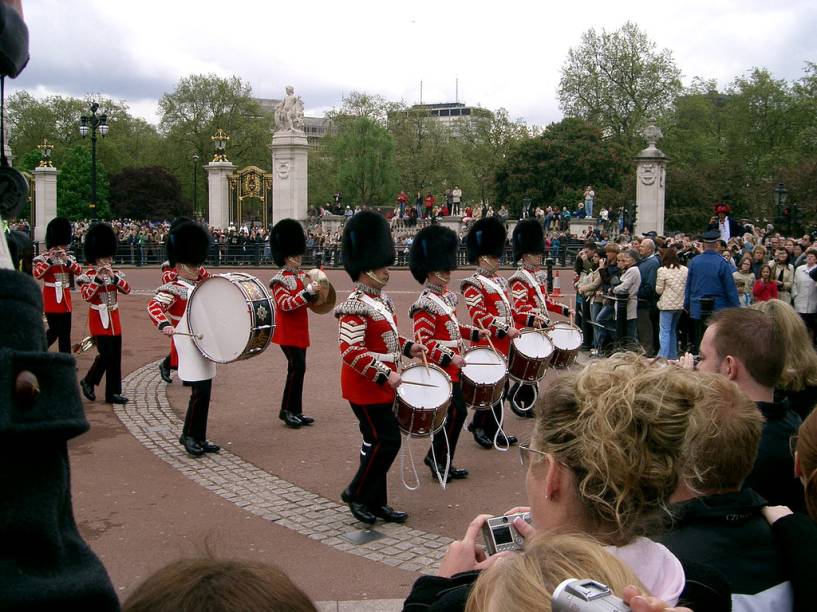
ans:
x=650 y=183
x=289 y=160
x=289 y=114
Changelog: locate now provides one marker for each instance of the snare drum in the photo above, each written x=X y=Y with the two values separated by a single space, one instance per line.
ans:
x=233 y=315
x=483 y=377
x=421 y=410
x=529 y=356
x=566 y=340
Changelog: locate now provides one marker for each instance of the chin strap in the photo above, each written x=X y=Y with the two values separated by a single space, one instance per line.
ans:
x=381 y=283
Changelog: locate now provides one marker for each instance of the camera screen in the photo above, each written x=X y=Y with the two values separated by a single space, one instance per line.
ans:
x=502 y=535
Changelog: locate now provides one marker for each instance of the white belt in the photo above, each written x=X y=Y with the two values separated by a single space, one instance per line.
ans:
x=55 y=284
x=104 y=306
x=389 y=357
x=448 y=343
x=172 y=317
x=59 y=286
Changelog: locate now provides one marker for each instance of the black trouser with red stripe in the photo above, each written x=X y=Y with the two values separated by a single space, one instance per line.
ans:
x=457 y=411
x=59 y=328
x=195 y=421
x=381 y=443
x=292 y=399
x=109 y=363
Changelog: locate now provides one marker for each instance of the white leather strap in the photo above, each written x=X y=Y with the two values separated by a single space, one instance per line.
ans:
x=497 y=289
x=381 y=308
x=532 y=280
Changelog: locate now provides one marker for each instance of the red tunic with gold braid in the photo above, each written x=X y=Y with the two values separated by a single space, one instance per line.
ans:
x=437 y=328
x=489 y=308
x=169 y=273
x=170 y=301
x=525 y=299
x=291 y=316
x=56 y=277
x=369 y=346
x=101 y=294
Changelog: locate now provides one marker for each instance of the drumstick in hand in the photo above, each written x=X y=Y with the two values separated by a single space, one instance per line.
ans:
x=488 y=338
x=196 y=336
x=417 y=339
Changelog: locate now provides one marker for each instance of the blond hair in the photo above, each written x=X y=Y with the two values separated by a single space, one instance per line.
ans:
x=620 y=425
x=526 y=581
x=800 y=359
x=724 y=437
x=807 y=455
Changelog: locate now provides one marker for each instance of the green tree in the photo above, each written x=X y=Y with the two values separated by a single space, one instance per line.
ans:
x=617 y=80
x=74 y=186
x=147 y=193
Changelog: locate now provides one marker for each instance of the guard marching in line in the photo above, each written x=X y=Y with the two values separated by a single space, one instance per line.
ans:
x=292 y=291
x=54 y=268
x=529 y=296
x=100 y=285
x=489 y=308
x=187 y=246
x=370 y=349
x=432 y=257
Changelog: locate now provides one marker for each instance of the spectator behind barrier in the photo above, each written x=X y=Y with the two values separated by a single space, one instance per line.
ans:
x=742 y=344
x=212 y=585
x=798 y=382
x=715 y=522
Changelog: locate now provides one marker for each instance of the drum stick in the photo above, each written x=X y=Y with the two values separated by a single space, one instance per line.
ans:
x=479 y=363
x=196 y=336
x=417 y=339
x=416 y=384
x=488 y=338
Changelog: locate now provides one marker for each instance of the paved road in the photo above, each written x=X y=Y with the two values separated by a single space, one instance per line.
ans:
x=273 y=494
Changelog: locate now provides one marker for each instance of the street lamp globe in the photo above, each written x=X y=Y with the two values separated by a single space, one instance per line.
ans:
x=103 y=125
x=83 y=126
x=780 y=195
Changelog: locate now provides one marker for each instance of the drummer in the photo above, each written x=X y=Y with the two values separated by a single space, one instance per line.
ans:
x=488 y=305
x=432 y=257
x=370 y=348
x=292 y=290
x=529 y=297
x=187 y=247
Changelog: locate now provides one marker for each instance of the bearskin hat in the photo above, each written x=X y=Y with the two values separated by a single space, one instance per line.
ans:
x=188 y=243
x=528 y=237
x=286 y=239
x=434 y=250
x=367 y=244
x=100 y=241
x=58 y=232
x=486 y=237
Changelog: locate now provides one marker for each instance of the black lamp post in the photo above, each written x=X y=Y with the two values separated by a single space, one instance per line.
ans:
x=781 y=196
x=195 y=199
x=93 y=124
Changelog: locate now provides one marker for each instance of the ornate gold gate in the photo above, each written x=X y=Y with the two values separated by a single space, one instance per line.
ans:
x=251 y=183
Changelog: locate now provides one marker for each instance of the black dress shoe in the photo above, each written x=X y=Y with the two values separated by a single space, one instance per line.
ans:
x=192 y=447
x=457 y=473
x=117 y=399
x=481 y=438
x=390 y=515
x=362 y=513
x=289 y=419
x=209 y=447
x=164 y=371
x=510 y=440
x=87 y=390
x=305 y=420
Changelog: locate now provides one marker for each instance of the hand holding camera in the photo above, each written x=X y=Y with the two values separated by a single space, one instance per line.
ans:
x=466 y=555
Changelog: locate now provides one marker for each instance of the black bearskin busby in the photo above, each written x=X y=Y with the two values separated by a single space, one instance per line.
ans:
x=100 y=241
x=434 y=250
x=188 y=243
x=286 y=240
x=528 y=237
x=58 y=232
x=367 y=244
x=486 y=237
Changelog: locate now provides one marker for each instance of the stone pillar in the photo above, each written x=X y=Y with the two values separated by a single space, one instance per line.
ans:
x=289 y=175
x=218 y=193
x=651 y=172
x=45 y=200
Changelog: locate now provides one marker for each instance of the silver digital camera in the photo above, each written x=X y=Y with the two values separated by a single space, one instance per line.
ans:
x=585 y=595
x=500 y=534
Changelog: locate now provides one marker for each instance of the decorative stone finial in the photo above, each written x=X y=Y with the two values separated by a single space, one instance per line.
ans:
x=652 y=133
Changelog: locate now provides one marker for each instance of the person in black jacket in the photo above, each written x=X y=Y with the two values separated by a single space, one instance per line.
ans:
x=728 y=227
x=717 y=522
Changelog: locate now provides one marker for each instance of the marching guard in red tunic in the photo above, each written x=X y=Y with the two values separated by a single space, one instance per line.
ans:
x=529 y=296
x=370 y=349
x=99 y=286
x=54 y=268
x=432 y=257
x=292 y=291
x=488 y=305
x=187 y=247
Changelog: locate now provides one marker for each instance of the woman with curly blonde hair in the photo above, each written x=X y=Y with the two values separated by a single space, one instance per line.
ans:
x=798 y=382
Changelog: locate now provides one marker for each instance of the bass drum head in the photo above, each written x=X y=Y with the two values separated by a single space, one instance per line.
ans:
x=427 y=398
x=484 y=374
x=218 y=311
x=533 y=344
x=566 y=337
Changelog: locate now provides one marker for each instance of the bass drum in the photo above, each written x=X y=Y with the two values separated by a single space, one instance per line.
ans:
x=421 y=408
x=231 y=317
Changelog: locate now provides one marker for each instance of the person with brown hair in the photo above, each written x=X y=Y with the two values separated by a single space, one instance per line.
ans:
x=742 y=344
x=716 y=522
x=804 y=292
x=670 y=283
x=744 y=280
x=765 y=288
x=798 y=382
x=191 y=585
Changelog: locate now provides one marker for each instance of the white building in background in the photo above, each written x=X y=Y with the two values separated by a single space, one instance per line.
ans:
x=315 y=128
x=448 y=113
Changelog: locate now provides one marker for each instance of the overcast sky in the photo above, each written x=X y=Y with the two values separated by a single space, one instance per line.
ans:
x=504 y=53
